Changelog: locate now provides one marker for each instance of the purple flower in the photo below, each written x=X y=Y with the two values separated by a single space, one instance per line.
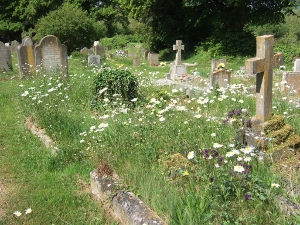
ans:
x=247 y=197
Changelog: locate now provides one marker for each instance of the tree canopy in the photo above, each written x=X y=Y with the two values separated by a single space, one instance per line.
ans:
x=219 y=23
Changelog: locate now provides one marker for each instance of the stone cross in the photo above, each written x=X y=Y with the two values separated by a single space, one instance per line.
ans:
x=178 y=47
x=261 y=65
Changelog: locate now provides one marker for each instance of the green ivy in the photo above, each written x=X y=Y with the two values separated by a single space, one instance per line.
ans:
x=115 y=85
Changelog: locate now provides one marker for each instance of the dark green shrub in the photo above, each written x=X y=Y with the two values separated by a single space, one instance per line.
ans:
x=71 y=25
x=114 y=85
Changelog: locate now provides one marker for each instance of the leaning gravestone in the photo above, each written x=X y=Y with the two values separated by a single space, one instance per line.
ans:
x=14 y=46
x=177 y=69
x=5 y=57
x=297 y=65
x=51 y=55
x=94 y=60
x=27 y=41
x=26 y=61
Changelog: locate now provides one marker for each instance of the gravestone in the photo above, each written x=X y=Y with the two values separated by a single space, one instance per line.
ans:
x=51 y=55
x=5 y=57
x=215 y=63
x=277 y=59
x=153 y=59
x=145 y=54
x=177 y=69
x=220 y=78
x=14 y=46
x=94 y=60
x=86 y=51
x=265 y=129
x=297 y=65
x=26 y=61
x=291 y=82
x=99 y=50
x=262 y=66
x=7 y=45
x=136 y=61
x=27 y=41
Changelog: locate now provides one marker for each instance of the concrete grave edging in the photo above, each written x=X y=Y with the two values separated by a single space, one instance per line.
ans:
x=124 y=205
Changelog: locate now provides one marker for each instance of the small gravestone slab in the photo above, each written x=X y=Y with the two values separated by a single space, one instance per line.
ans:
x=27 y=41
x=136 y=61
x=94 y=60
x=99 y=50
x=51 y=55
x=86 y=51
x=153 y=59
x=297 y=65
x=145 y=54
x=26 y=61
x=14 y=46
x=291 y=82
x=278 y=59
x=216 y=64
x=220 y=78
x=5 y=57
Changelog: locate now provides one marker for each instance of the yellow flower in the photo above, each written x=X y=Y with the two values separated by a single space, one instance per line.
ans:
x=185 y=173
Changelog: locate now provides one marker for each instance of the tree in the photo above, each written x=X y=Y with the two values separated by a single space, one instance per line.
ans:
x=222 y=22
x=71 y=25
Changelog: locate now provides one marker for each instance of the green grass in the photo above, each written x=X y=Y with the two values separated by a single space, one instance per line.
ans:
x=138 y=144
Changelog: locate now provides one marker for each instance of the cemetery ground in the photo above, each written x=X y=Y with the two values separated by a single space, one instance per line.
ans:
x=176 y=153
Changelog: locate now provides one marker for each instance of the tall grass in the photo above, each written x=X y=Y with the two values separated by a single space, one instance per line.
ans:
x=216 y=180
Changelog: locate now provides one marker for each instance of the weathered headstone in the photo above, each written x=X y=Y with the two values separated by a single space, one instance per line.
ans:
x=261 y=65
x=26 y=61
x=136 y=61
x=291 y=82
x=5 y=57
x=145 y=54
x=86 y=51
x=278 y=59
x=220 y=77
x=94 y=60
x=153 y=59
x=51 y=55
x=177 y=69
x=99 y=50
x=14 y=46
x=215 y=64
x=27 y=41
x=297 y=65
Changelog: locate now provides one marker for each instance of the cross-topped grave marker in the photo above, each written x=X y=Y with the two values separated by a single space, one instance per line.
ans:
x=261 y=65
x=178 y=47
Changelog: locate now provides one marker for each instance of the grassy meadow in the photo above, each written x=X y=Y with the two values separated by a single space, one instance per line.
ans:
x=178 y=154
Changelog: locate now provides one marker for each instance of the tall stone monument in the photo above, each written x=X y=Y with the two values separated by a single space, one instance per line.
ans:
x=177 y=69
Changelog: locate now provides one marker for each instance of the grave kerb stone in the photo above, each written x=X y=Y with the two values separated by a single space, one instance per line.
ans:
x=261 y=65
